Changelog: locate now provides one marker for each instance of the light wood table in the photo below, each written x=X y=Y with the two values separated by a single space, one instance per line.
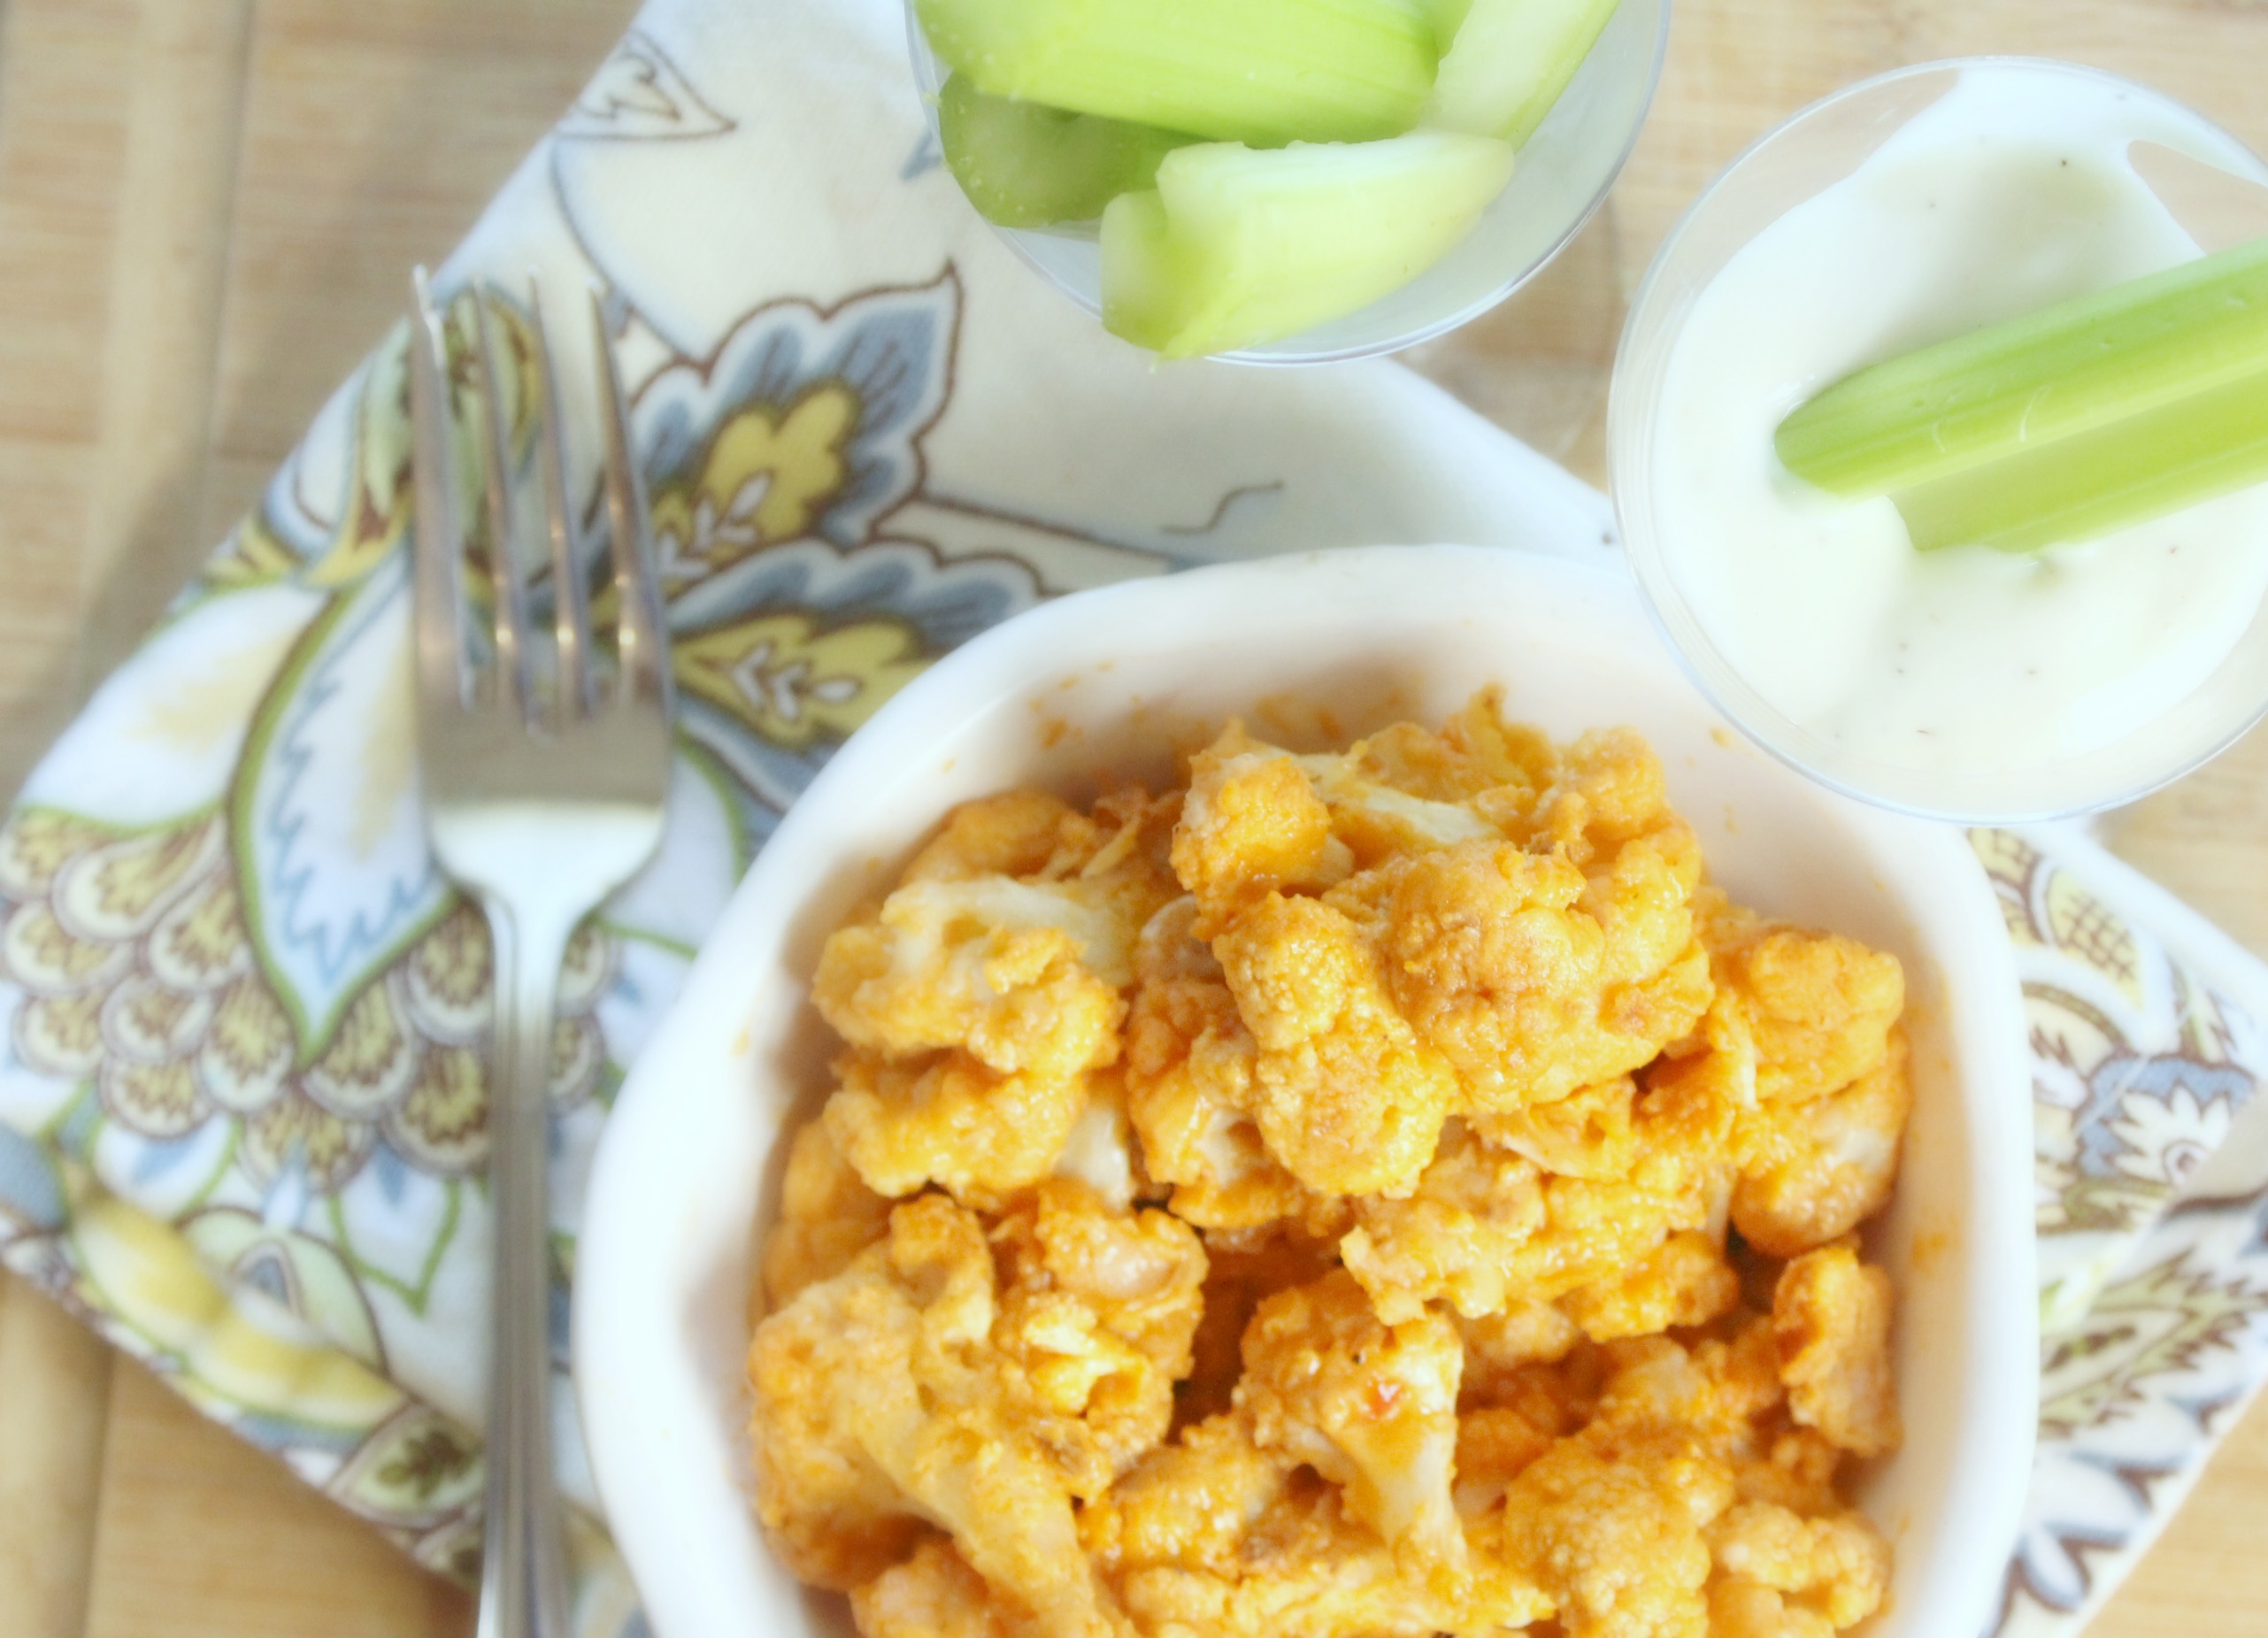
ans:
x=206 y=207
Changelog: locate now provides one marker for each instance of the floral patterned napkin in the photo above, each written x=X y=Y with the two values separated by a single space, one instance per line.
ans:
x=243 y=1020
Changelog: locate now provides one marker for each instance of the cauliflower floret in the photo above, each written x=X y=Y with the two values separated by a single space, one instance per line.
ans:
x=1021 y=976
x=1098 y=1307
x=1836 y=1567
x=879 y=1400
x=1214 y=1534
x=1034 y=836
x=1595 y=1229
x=1683 y=1281
x=1609 y=1523
x=1100 y=1150
x=1303 y=1570
x=1189 y=1087
x=936 y=1595
x=1739 y=1609
x=978 y=1005
x=1495 y=1445
x=828 y=1215
x=1372 y=1408
x=1831 y=1319
x=1718 y=1390
x=949 y=1120
x=1587 y=1134
x=1499 y=1348
x=1374 y=819
x=1532 y=977
x=1018 y=832
x=1344 y=1096
x=1455 y=1238
x=1242 y=1269
x=1812 y=1172
x=1252 y=825
x=832 y=1509
x=1793 y=1466
x=1485 y=1229
x=1817 y=1006
x=1477 y=759
x=828 y=1456
x=1189 y=1504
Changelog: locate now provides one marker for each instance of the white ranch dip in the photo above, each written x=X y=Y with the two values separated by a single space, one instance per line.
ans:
x=2012 y=193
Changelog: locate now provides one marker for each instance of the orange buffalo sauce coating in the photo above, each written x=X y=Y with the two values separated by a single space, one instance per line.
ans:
x=1377 y=1193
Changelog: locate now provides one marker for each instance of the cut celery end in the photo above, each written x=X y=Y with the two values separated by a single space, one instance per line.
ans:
x=2169 y=458
x=1509 y=62
x=1238 y=247
x=1024 y=165
x=1148 y=296
x=1257 y=71
x=1979 y=399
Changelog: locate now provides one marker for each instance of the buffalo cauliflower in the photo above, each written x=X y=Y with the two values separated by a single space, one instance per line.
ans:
x=949 y=1121
x=1455 y=1238
x=1812 y=1172
x=1830 y=1318
x=1219 y=1536
x=936 y=1595
x=1345 y=1095
x=1610 y=1524
x=1683 y=1281
x=1250 y=825
x=1380 y=1194
x=828 y=1215
x=1098 y=1309
x=1371 y=1407
x=1817 y=1006
x=1835 y=1567
x=879 y=1405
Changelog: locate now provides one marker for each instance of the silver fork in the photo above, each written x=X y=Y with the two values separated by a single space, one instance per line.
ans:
x=539 y=803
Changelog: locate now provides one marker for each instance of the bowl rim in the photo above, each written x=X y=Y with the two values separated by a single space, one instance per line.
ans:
x=1998 y=1415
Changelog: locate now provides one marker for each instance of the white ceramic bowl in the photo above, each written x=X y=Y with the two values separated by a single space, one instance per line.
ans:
x=1120 y=678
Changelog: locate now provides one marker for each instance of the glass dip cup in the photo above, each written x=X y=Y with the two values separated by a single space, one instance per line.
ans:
x=2209 y=184
x=1563 y=173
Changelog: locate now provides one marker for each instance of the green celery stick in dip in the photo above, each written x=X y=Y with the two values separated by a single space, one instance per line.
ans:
x=1238 y=246
x=1025 y=165
x=2073 y=368
x=1505 y=63
x=1265 y=72
x=2180 y=453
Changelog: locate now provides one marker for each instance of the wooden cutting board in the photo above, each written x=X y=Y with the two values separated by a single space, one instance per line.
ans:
x=205 y=209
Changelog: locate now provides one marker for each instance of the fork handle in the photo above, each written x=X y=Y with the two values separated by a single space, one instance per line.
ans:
x=523 y=1581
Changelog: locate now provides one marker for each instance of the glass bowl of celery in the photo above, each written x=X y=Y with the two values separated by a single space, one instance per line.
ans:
x=1287 y=182
x=1938 y=439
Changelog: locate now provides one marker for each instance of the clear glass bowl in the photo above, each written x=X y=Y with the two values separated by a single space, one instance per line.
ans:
x=1564 y=171
x=1794 y=162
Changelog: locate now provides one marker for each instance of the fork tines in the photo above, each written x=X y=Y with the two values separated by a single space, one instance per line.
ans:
x=514 y=679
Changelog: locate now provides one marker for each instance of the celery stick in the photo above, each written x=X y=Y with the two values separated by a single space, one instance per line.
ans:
x=1024 y=165
x=1446 y=17
x=1509 y=62
x=1238 y=246
x=1258 y=71
x=2067 y=369
x=2171 y=455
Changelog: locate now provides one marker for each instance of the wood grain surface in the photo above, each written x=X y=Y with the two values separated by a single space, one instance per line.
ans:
x=206 y=210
